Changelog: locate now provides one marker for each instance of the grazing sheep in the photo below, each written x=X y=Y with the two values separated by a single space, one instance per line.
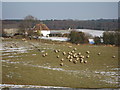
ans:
x=85 y=61
x=113 y=56
x=99 y=53
x=62 y=59
x=58 y=56
x=56 y=51
x=43 y=55
x=71 y=57
x=81 y=60
x=46 y=54
x=87 y=56
x=61 y=64
x=75 y=62
x=69 y=53
x=70 y=46
x=79 y=53
x=87 y=52
x=75 y=49
x=83 y=57
x=68 y=57
x=77 y=59
x=70 y=60
x=64 y=53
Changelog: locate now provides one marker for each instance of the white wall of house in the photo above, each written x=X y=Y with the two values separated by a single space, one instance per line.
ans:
x=45 y=32
x=11 y=31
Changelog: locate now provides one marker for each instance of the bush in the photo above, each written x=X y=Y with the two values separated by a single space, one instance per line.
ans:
x=111 y=38
x=97 y=40
x=78 y=37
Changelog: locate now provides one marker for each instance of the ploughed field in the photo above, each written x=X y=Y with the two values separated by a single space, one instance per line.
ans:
x=61 y=64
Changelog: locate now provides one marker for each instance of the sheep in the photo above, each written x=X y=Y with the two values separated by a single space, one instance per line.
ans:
x=58 y=50
x=113 y=56
x=87 y=52
x=75 y=49
x=69 y=53
x=68 y=56
x=70 y=60
x=58 y=56
x=87 y=56
x=77 y=59
x=70 y=46
x=99 y=53
x=81 y=60
x=61 y=64
x=62 y=59
x=43 y=55
x=75 y=62
x=85 y=61
x=79 y=53
x=71 y=57
x=81 y=56
x=46 y=54
x=64 y=53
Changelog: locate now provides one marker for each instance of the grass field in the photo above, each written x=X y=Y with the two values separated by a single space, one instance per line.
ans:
x=23 y=64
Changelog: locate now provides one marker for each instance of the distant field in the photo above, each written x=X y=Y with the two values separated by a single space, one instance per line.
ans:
x=23 y=64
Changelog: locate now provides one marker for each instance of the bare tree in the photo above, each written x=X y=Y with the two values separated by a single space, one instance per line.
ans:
x=28 y=23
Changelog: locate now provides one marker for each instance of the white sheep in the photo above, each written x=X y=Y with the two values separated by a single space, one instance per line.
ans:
x=70 y=60
x=74 y=61
x=46 y=54
x=79 y=53
x=85 y=61
x=62 y=59
x=81 y=60
x=87 y=56
x=70 y=46
x=87 y=52
x=61 y=64
x=64 y=53
x=99 y=53
x=43 y=55
x=113 y=56
x=75 y=49
x=58 y=56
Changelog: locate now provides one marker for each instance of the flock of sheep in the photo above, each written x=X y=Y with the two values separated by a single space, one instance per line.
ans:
x=71 y=56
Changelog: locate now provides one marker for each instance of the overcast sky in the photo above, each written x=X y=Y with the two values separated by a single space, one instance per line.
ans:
x=60 y=10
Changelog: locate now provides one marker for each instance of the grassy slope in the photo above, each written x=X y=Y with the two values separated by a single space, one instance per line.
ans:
x=27 y=74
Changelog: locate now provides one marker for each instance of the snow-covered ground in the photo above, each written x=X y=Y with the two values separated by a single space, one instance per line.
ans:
x=90 y=31
x=55 y=38
x=26 y=86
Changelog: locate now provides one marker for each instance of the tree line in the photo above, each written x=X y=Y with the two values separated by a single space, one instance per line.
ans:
x=108 y=38
x=100 y=24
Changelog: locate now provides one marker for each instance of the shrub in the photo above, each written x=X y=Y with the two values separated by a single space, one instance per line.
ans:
x=97 y=40
x=78 y=37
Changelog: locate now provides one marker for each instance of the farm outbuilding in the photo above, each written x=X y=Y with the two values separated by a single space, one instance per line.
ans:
x=42 y=28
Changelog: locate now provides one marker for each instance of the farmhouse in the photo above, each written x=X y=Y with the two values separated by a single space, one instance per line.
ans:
x=42 y=29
